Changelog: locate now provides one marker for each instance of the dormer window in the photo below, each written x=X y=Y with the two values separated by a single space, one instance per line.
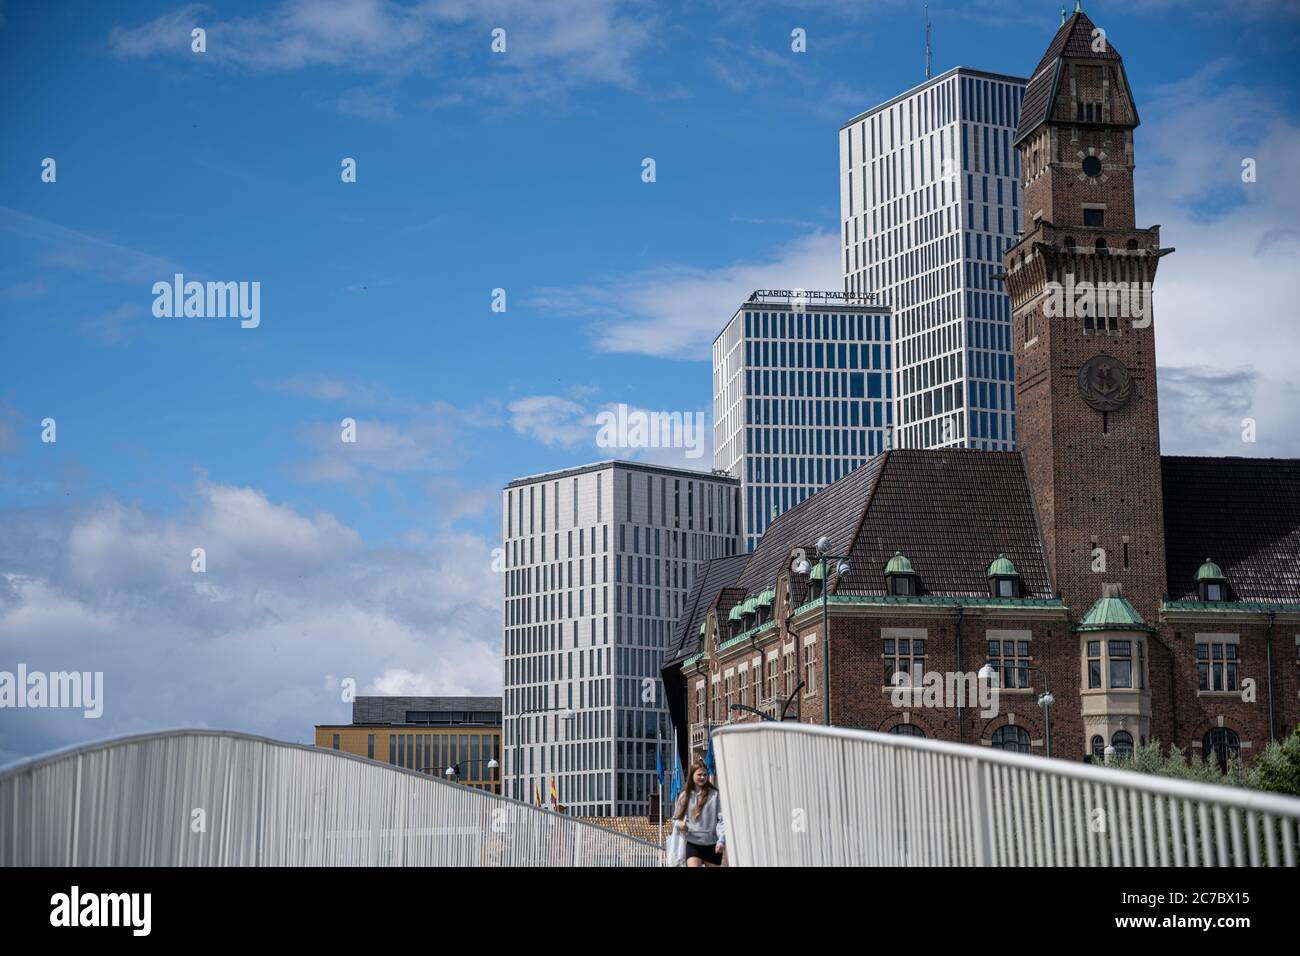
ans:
x=1211 y=583
x=1003 y=578
x=900 y=577
x=733 y=621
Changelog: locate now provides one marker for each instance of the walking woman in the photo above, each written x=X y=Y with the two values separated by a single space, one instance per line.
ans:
x=698 y=815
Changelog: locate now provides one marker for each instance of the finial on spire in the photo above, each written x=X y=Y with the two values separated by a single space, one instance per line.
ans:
x=1078 y=6
x=1062 y=14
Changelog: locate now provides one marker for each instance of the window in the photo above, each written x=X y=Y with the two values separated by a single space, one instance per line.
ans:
x=1094 y=664
x=699 y=702
x=1121 y=663
x=1216 y=665
x=771 y=677
x=789 y=670
x=1122 y=741
x=1006 y=587
x=717 y=697
x=907 y=730
x=1221 y=745
x=904 y=656
x=336 y=741
x=902 y=585
x=810 y=666
x=1011 y=738
x=744 y=686
x=1094 y=218
x=1010 y=658
x=1098 y=747
x=370 y=746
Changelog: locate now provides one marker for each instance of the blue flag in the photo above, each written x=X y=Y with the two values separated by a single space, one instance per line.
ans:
x=676 y=790
x=659 y=766
x=708 y=757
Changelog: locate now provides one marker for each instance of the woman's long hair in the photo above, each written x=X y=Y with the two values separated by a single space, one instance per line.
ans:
x=705 y=791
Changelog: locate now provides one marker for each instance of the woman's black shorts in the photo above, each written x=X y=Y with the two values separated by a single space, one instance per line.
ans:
x=706 y=853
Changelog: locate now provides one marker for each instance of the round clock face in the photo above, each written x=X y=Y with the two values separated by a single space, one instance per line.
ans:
x=1105 y=383
x=1092 y=165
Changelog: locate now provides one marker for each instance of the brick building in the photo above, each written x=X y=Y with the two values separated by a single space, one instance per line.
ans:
x=1155 y=597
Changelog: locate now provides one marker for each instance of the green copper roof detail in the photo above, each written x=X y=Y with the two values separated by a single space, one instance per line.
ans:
x=703 y=625
x=1001 y=567
x=1209 y=571
x=899 y=564
x=1232 y=607
x=818 y=572
x=766 y=598
x=1112 y=614
x=735 y=613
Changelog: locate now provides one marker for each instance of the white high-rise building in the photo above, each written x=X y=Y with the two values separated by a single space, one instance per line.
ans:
x=929 y=201
x=597 y=563
x=801 y=396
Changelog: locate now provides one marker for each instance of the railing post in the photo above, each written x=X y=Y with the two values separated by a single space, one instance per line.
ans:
x=983 y=834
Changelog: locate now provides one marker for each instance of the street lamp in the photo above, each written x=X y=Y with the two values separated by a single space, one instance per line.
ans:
x=563 y=713
x=803 y=566
x=1045 y=700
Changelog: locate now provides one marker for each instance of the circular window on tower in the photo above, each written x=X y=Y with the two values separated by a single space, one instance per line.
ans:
x=1092 y=165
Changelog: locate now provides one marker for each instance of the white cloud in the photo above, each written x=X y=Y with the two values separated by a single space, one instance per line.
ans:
x=288 y=602
x=1226 y=300
x=551 y=47
x=676 y=311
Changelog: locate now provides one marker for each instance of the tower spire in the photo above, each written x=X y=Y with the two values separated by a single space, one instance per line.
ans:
x=927 y=42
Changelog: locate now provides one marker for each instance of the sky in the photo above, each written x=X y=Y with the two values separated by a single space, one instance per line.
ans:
x=476 y=171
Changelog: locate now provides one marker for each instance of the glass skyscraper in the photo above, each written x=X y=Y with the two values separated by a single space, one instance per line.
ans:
x=929 y=200
x=597 y=562
x=801 y=396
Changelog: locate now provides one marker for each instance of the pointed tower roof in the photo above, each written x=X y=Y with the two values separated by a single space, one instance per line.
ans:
x=1074 y=41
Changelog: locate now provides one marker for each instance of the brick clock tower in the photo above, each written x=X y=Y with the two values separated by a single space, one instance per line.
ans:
x=1085 y=364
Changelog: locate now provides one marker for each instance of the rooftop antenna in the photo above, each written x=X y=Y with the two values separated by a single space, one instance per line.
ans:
x=927 y=41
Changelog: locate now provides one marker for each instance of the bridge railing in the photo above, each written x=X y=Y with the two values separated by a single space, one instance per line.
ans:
x=211 y=798
x=804 y=795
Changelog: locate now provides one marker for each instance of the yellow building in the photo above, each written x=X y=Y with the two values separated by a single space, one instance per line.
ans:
x=425 y=734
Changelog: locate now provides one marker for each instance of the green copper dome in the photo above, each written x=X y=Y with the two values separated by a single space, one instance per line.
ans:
x=1112 y=614
x=735 y=613
x=1209 y=571
x=899 y=564
x=766 y=598
x=703 y=625
x=748 y=606
x=818 y=572
x=1001 y=567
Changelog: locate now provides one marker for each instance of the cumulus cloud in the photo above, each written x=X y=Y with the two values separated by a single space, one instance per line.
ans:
x=290 y=605
x=676 y=311
x=1225 y=301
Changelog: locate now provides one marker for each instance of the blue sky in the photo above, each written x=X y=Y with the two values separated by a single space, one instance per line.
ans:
x=478 y=171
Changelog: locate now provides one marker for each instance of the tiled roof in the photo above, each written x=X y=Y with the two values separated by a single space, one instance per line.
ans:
x=1074 y=39
x=1244 y=513
x=638 y=827
x=711 y=578
x=951 y=511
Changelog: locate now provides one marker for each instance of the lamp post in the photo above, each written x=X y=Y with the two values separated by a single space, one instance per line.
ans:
x=1045 y=700
x=803 y=566
x=565 y=713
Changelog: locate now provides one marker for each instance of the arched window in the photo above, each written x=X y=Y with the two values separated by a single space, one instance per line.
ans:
x=1068 y=242
x=1122 y=741
x=1011 y=738
x=907 y=730
x=1131 y=245
x=1221 y=744
x=1098 y=748
x=1100 y=245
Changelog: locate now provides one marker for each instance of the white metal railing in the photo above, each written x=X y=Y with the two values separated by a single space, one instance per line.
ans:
x=805 y=795
x=210 y=798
